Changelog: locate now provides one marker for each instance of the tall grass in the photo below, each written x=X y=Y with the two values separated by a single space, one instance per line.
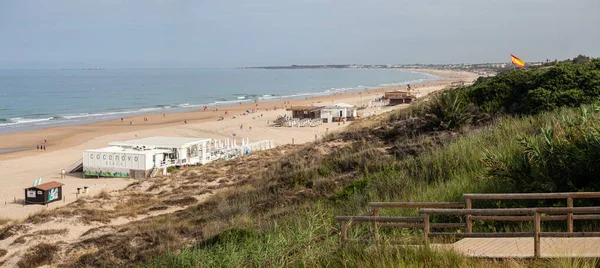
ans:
x=288 y=219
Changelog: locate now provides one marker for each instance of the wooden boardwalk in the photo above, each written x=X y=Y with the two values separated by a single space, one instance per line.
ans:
x=522 y=247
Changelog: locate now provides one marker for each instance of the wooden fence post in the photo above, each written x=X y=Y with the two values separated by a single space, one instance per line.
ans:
x=344 y=233
x=468 y=216
x=375 y=228
x=570 y=215
x=426 y=228
x=536 y=235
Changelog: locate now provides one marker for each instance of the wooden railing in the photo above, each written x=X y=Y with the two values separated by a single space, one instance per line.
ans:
x=377 y=221
x=469 y=198
x=535 y=214
x=428 y=209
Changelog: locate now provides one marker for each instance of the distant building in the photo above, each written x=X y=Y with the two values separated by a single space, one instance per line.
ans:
x=44 y=193
x=337 y=112
x=333 y=113
x=305 y=112
x=399 y=97
x=138 y=158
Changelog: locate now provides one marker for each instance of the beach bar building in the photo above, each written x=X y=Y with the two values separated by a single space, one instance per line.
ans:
x=338 y=112
x=142 y=158
x=44 y=193
x=305 y=112
x=399 y=97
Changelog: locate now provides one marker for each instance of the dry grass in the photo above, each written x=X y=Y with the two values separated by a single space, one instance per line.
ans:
x=39 y=255
x=22 y=239
x=12 y=230
x=4 y=221
x=104 y=194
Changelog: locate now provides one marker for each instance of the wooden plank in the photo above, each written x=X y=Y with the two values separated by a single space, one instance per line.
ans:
x=525 y=196
x=375 y=212
x=469 y=218
x=517 y=218
x=574 y=234
x=578 y=210
x=481 y=212
x=509 y=211
x=536 y=235
x=401 y=225
x=378 y=219
x=420 y=225
x=344 y=233
x=426 y=228
x=586 y=217
x=417 y=204
x=570 y=215
x=517 y=196
x=483 y=235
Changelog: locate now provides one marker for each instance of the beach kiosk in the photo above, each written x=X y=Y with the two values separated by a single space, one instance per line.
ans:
x=142 y=158
x=44 y=193
x=305 y=112
x=399 y=97
x=338 y=112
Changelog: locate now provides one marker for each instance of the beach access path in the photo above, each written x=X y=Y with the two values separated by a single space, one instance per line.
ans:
x=65 y=145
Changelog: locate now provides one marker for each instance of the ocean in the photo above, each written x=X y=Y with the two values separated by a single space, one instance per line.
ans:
x=34 y=99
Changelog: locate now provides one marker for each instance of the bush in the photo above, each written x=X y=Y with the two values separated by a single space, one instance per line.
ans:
x=39 y=255
x=530 y=92
x=563 y=157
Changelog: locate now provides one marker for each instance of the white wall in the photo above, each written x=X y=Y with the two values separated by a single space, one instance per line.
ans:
x=114 y=161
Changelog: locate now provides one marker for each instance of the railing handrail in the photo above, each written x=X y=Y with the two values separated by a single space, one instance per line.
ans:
x=509 y=211
x=417 y=204
x=74 y=165
x=528 y=196
x=378 y=219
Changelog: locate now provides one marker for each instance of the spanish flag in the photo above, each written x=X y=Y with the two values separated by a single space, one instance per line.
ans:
x=516 y=61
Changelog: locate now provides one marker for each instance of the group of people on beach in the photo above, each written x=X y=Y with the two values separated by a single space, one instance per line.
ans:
x=42 y=146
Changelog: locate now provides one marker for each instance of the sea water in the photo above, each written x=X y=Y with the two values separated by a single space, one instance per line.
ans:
x=34 y=99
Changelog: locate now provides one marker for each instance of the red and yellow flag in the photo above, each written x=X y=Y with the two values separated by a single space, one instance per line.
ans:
x=516 y=61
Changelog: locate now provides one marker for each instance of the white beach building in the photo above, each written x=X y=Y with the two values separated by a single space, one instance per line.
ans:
x=142 y=157
x=145 y=157
x=337 y=111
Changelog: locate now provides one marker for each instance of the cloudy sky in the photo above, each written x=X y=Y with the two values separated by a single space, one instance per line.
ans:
x=234 y=33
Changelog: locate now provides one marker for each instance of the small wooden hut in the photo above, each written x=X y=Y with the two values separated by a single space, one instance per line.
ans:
x=399 y=96
x=44 y=193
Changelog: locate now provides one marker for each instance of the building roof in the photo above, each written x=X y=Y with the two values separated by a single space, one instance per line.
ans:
x=164 y=142
x=339 y=105
x=117 y=149
x=304 y=108
x=47 y=186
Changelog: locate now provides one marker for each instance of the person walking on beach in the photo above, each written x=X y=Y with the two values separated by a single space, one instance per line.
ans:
x=62 y=173
x=37 y=147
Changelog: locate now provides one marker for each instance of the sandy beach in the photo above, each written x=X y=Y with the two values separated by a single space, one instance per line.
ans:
x=65 y=145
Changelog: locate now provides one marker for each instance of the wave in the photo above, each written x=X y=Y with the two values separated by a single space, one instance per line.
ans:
x=20 y=120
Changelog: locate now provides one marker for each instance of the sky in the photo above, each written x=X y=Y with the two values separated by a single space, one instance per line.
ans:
x=42 y=34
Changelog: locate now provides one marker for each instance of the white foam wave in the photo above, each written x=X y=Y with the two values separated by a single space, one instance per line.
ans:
x=19 y=120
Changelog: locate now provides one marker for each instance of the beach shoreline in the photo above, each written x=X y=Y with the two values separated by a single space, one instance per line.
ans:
x=27 y=140
x=65 y=145
x=68 y=110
